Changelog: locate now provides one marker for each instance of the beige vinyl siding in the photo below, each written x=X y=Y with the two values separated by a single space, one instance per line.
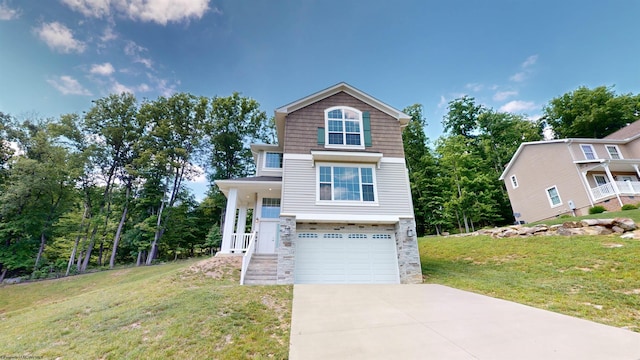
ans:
x=542 y=166
x=299 y=191
x=631 y=150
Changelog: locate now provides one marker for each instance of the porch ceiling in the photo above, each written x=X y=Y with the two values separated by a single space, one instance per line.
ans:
x=621 y=165
x=249 y=188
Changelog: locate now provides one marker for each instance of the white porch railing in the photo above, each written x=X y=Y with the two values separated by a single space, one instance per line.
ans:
x=240 y=241
x=624 y=187
x=246 y=259
x=628 y=187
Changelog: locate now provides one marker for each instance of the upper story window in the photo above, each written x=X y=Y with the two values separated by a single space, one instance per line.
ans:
x=614 y=152
x=346 y=183
x=589 y=152
x=273 y=160
x=514 y=181
x=344 y=128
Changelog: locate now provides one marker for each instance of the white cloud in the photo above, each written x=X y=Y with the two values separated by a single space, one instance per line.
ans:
x=475 y=87
x=68 y=86
x=157 y=11
x=7 y=13
x=515 y=106
x=59 y=38
x=442 y=103
x=518 y=77
x=108 y=34
x=118 y=88
x=504 y=95
x=105 y=69
x=132 y=49
x=531 y=60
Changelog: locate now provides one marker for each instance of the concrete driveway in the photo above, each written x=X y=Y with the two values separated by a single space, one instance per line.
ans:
x=438 y=322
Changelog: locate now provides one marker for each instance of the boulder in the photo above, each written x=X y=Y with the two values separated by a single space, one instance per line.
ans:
x=571 y=224
x=564 y=231
x=597 y=230
x=624 y=223
x=617 y=229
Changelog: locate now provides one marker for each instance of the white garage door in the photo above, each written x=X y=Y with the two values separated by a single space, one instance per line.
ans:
x=346 y=258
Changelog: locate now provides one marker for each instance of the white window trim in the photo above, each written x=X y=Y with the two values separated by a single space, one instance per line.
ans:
x=546 y=191
x=593 y=150
x=617 y=150
x=347 y=202
x=326 y=129
x=264 y=161
x=514 y=181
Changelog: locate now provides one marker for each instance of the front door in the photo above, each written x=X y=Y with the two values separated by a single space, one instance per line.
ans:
x=267 y=236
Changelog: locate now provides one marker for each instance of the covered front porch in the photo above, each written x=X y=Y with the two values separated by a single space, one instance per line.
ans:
x=252 y=214
x=612 y=178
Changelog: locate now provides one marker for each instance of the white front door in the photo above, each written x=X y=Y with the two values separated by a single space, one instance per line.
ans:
x=268 y=236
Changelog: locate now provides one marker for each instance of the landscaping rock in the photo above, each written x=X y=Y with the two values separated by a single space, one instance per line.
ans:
x=626 y=224
x=12 y=281
x=597 y=230
x=572 y=224
x=569 y=231
x=617 y=230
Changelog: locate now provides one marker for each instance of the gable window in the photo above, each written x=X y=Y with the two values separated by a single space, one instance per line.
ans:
x=614 y=152
x=273 y=160
x=346 y=183
x=588 y=151
x=270 y=208
x=514 y=181
x=554 y=196
x=344 y=127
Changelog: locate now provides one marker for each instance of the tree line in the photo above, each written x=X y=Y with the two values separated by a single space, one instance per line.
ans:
x=107 y=186
x=454 y=180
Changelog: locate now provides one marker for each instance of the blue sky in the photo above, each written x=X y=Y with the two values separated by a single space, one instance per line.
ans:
x=58 y=55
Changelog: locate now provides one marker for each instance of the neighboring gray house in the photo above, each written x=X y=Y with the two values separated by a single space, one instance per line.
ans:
x=546 y=179
x=331 y=202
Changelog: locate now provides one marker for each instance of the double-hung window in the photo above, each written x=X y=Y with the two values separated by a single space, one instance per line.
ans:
x=588 y=151
x=346 y=183
x=554 y=196
x=344 y=128
x=614 y=152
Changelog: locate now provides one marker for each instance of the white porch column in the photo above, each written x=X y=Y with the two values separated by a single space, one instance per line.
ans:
x=635 y=166
x=586 y=185
x=229 y=221
x=613 y=183
x=242 y=220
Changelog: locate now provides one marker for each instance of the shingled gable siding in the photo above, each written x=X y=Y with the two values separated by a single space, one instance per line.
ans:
x=301 y=127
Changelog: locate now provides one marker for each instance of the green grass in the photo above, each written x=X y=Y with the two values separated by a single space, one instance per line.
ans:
x=590 y=277
x=159 y=312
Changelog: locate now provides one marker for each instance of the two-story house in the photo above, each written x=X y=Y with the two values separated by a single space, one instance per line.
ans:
x=546 y=179
x=331 y=203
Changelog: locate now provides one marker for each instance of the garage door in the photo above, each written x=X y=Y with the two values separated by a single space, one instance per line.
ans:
x=346 y=258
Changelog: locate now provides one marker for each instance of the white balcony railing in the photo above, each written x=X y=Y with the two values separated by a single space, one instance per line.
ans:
x=624 y=188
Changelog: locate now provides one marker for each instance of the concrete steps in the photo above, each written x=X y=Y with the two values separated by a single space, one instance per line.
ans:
x=263 y=270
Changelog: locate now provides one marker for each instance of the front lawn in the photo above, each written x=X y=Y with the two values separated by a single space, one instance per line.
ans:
x=591 y=277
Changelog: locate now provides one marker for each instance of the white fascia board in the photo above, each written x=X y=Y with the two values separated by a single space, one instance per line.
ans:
x=350 y=218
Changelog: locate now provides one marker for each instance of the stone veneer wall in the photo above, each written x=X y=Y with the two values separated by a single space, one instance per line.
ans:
x=287 y=250
x=407 y=247
x=408 y=252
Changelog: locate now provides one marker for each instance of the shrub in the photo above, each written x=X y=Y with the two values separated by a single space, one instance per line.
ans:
x=629 y=207
x=597 y=210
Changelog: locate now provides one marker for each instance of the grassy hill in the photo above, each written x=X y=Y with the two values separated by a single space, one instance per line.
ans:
x=187 y=310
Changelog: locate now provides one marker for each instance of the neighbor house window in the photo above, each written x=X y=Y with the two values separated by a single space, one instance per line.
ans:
x=614 y=152
x=270 y=208
x=346 y=183
x=514 y=181
x=554 y=197
x=273 y=160
x=344 y=127
x=588 y=151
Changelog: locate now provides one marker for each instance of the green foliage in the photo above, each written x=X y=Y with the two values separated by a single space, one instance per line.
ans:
x=591 y=113
x=598 y=209
x=629 y=207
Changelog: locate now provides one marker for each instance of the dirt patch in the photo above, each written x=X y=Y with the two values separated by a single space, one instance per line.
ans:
x=612 y=245
x=219 y=267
